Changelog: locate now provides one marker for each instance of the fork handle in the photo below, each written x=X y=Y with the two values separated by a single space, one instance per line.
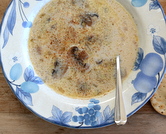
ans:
x=120 y=113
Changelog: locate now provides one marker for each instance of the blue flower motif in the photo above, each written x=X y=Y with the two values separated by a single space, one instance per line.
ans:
x=153 y=29
x=15 y=59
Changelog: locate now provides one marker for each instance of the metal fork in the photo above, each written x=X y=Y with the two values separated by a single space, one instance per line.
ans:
x=120 y=113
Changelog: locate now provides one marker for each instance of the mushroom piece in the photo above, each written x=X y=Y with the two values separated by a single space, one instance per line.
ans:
x=88 y=19
x=77 y=58
x=59 y=70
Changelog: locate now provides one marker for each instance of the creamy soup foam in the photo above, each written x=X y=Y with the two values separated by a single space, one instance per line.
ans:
x=73 y=45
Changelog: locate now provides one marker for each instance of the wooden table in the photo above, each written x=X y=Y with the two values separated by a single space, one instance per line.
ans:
x=16 y=119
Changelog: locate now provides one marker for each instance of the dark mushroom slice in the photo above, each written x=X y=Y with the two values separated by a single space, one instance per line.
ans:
x=60 y=68
x=77 y=58
x=88 y=19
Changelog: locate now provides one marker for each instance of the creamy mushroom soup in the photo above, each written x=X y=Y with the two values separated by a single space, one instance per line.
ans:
x=73 y=45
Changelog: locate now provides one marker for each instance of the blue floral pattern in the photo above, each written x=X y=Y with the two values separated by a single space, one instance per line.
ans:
x=25 y=22
x=60 y=117
x=146 y=80
x=26 y=84
x=154 y=5
x=11 y=21
x=24 y=90
x=147 y=75
x=92 y=115
x=87 y=116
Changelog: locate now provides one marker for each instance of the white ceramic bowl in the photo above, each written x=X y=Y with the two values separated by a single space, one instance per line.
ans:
x=52 y=107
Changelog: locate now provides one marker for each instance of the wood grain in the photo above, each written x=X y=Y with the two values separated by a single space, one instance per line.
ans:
x=16 y=119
